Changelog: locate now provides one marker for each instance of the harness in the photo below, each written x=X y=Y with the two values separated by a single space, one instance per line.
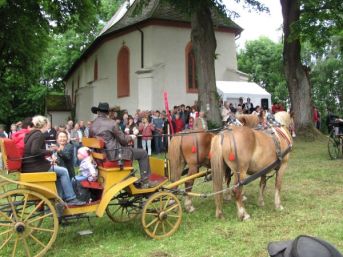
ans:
x=195 y=149
x=264 y=171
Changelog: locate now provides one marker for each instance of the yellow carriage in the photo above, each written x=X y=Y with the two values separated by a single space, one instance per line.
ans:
x=31 y=210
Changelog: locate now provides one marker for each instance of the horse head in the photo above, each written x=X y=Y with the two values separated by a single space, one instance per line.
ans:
x=285 y=119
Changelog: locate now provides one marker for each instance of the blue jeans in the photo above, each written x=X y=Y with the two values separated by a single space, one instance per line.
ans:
x=63 y=183
x=158 y=143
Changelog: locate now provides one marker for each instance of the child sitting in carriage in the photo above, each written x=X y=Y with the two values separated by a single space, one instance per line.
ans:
x=88 y=170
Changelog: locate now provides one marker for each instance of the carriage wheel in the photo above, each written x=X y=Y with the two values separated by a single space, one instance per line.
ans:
x=6 y=186
x=334 y=148
x=123 y=207
x=162 y=215
x=28 y=223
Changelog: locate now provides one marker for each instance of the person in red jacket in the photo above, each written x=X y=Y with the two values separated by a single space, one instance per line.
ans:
x=18 y=137
x=179 y=124
x=146 y=128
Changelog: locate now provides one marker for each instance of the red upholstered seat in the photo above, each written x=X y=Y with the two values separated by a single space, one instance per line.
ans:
x=92 y=185
x=156 y=178
x=115 y=164
x=12 y=156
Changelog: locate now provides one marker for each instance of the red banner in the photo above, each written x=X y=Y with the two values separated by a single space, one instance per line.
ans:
x=165 y=94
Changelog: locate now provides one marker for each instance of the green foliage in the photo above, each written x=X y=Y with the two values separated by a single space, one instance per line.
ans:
x=320 y=20
x=39 y=41
x=327 y=79
x=262 y=60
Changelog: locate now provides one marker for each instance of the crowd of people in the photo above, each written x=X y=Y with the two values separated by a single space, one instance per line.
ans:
x=137 y=136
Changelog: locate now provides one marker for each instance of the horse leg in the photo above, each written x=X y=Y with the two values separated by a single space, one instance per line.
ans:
x=217 y=176
x=227 y=195
x=263 y=183
x=188 y=185
x=278 y=181
x=241 y=212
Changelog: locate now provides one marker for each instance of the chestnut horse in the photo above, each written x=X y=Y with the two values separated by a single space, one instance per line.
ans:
x=247 y=151
x=251 y=120
x=191 y=149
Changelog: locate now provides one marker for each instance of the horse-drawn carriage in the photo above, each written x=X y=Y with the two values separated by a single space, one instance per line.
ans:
x=31 y=210
x=335 y=143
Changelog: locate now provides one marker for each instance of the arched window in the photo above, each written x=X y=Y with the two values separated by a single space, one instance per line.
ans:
x=123 y=72
x=191 y=80
x=95 y=77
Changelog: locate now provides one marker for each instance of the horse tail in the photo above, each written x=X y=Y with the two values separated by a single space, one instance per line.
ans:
x=175 y=158
x=217 y=167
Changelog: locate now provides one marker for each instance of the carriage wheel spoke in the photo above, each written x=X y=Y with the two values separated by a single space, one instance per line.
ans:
x=6 y=225
x=161 y=203
x=15 y=247
x=5 y=232
x=171 y=225
x=6 y=217
x=35 y=209
x=37 y=241
x=155 y=228
x=163 y=228
x=24 y=207
x=152 y=213
x=12 y=207
x=167 y=202
x=39 y=218
x=4 y=243
x=152 y=222
x=42 y=229
x=27 y=250
x=171 y=208
x=174 y=216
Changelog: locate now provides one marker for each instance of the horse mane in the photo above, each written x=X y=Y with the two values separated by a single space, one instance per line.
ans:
x=284 y=118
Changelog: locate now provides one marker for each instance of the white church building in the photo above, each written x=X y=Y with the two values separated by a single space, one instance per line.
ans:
x=142 y=53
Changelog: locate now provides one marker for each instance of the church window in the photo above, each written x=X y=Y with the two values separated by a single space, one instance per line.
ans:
x=191 y=80
x=123 y=72
x=95 y=77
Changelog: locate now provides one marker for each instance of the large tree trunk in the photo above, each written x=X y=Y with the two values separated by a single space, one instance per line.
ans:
x=296 y=74
x=204 y=47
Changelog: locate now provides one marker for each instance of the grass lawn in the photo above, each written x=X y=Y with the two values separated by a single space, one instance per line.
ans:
x=312 y=196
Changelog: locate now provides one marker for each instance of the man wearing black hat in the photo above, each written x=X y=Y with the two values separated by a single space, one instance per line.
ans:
x=116 y=141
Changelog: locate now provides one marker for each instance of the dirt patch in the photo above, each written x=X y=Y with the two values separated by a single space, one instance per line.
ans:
x=159 y=254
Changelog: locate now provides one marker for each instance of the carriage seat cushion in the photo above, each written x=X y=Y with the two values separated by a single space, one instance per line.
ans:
x=14 y=160
x=114 y=164
x=91 y=184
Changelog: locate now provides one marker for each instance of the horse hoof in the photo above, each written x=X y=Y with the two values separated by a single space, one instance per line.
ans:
x=220 y=217
x=244 y=198
x=190 y=209
x=227 y=197
x=279 y=208
x=261 y=203
x=246 y=217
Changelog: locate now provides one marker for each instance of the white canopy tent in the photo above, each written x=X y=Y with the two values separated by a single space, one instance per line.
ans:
x=231 y=91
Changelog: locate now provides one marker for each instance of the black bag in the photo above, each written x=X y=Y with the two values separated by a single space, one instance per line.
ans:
x=83 y=194
x=303 y=246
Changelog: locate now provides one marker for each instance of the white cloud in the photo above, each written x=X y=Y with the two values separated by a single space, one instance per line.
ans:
x=257 y=24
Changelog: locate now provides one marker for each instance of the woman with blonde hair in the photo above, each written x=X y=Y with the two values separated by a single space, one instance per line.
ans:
x=35 y=160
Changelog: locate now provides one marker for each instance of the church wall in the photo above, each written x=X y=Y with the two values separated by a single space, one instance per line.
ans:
x=164 y=54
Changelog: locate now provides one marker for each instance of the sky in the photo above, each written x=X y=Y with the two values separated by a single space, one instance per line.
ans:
x=257 y=24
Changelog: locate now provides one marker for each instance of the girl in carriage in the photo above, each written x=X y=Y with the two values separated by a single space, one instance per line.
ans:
x=88 y=169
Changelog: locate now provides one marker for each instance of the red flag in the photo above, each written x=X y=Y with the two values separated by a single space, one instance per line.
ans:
x=165 y=94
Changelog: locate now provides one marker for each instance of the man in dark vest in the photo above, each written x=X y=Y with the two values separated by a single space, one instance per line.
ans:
x=116 y=142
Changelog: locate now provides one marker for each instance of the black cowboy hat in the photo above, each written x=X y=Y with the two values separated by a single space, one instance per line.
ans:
x=102 y=107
